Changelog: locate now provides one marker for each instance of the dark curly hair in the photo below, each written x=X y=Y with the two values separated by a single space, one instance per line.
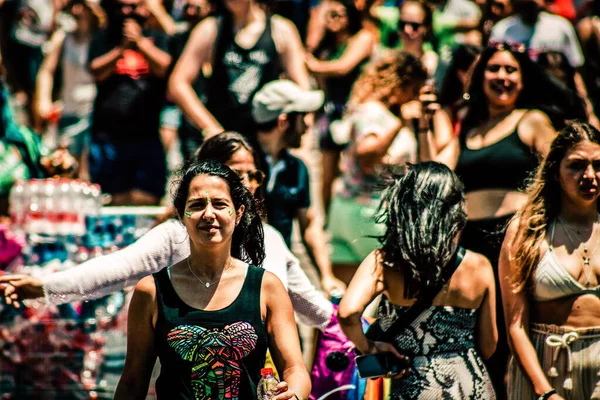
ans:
x=539 y=91
x=248 y=237
x=423 y=212
x=379 y=79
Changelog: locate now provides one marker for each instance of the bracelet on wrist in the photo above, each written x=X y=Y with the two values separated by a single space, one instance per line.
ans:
x=547 y=394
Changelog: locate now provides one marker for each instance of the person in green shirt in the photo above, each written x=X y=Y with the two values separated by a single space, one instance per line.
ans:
x=409 y=27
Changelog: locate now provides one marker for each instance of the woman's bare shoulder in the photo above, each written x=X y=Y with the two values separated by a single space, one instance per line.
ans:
x=476 y=269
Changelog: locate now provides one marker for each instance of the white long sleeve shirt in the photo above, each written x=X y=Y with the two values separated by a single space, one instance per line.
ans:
x=167 y=244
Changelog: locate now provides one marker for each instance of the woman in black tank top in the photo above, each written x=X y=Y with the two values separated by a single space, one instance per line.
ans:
x=507 y=129
x=246 y=49
x=211 y=317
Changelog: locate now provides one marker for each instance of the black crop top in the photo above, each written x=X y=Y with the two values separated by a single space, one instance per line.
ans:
x=505 y=164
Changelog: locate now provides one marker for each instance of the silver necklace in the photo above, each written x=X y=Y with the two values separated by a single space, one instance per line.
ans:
x=579 y=231
x=567 y=228
x=586 y=267
x=209 y=284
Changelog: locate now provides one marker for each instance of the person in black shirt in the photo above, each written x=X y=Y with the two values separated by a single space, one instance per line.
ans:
x=279 y=110
x=211 y=317
x=246 y=49
x=129 y=64
x=194 y=12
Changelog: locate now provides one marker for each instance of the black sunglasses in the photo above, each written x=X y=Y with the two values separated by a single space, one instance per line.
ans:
x=413 y=25
x=256 y=176
x=498 y=5
x=336 y=15
x=189 y=7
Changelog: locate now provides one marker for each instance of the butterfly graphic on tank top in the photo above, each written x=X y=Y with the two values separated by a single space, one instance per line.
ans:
x=215 y=355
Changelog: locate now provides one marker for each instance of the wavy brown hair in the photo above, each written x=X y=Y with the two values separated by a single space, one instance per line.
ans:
x=392 y=70
x=543 y=203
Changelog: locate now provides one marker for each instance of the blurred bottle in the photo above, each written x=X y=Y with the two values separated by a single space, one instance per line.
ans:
x=64 y=209
x=77 y=196
x=267 y=385
x=49 y=221
x=95 y=200
x=33 y=220
x=336 y=296
x=18 y=203
x=53 y=116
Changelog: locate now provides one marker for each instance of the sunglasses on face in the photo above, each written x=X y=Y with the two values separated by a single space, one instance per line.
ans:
x=189 y=7
x=335 y=15
x=414 y=25
x=255 y=177
x=498 y=5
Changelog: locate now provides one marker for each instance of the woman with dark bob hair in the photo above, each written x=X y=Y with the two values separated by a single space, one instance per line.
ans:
x=550 y=271
x=211 y=317
x=508 y=128
x=424 y=214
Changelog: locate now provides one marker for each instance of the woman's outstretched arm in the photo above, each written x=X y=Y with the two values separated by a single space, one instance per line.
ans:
x=162 y=246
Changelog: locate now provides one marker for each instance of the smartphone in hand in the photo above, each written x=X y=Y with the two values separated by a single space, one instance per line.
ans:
x=380 y=364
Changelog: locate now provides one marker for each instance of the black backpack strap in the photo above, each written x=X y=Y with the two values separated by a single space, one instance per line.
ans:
x=420 y=305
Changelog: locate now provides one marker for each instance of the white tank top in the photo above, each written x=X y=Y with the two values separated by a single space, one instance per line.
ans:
x=79 y=89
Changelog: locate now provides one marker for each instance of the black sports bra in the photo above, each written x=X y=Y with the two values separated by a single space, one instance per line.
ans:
x=505 y=164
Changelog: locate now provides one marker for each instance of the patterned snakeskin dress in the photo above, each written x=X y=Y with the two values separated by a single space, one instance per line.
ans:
x=441 y=344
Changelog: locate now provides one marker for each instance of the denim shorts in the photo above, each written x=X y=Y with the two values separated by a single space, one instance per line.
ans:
x=123 y=166
x=75 y=132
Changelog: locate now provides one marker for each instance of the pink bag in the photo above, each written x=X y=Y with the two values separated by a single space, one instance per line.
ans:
x=11 y=245
x=334 y=364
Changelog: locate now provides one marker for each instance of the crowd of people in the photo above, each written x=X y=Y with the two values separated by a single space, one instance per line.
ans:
x=440 y=126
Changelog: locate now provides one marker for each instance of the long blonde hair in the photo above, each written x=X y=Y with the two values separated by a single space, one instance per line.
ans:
x=379 y=79
x=543 y=203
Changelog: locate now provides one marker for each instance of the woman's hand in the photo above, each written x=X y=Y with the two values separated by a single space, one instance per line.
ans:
x=283 y=392
x=331 y=283
x=20 y=287
x=383 y=347
x=312 y=63
x=60 y=162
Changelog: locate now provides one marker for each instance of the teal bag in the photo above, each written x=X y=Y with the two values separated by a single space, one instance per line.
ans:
x=21 y=149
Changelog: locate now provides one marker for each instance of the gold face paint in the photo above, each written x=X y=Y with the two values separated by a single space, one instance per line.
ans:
x=188 y=214
x=230 y=211
x=207 y=197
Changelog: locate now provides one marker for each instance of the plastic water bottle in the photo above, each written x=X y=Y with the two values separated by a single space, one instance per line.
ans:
x=266 y=385
x=49 y=221
x=78 y=221
x=18 y=202
x=336 y=296
x=64 y=208
x=35 y=214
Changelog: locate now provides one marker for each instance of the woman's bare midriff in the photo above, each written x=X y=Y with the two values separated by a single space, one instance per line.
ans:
x=575 y=311
x=493 y=203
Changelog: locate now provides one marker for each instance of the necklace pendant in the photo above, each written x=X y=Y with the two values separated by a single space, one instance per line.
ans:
x=587 y=284
x=586 y=261
x=585 y=249
x=207 y=284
